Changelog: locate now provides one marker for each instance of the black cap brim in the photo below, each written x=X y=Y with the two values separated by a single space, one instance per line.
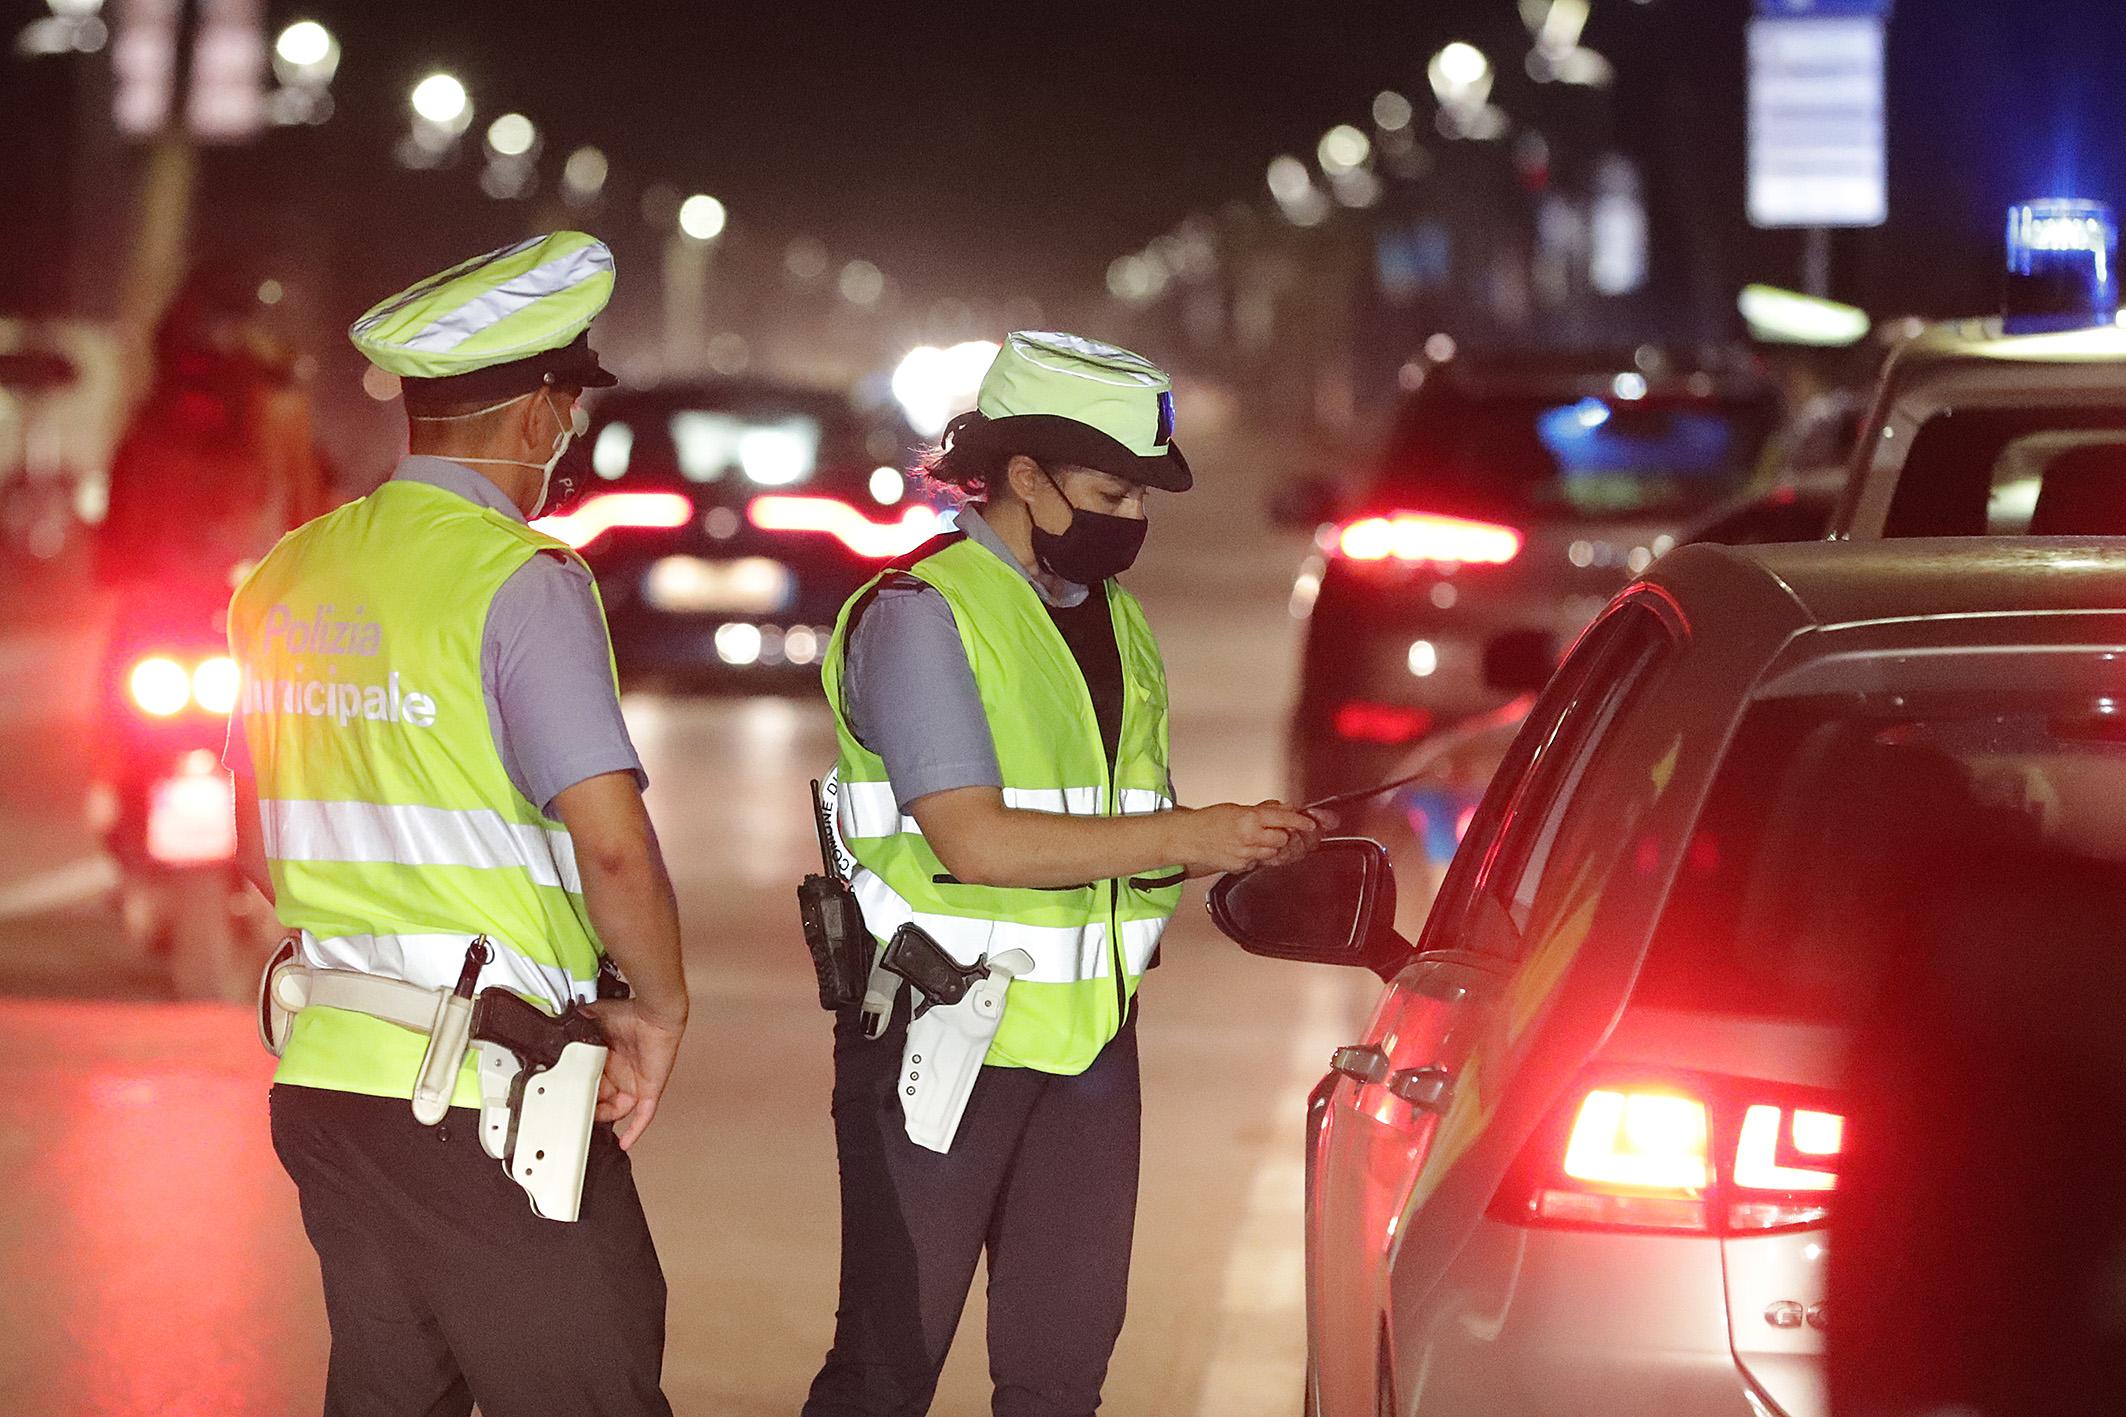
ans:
x=574 y=364
x=1053 y=438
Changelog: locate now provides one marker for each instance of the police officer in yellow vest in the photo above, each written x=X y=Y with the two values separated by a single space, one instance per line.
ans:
x=437 y=790
x=1002 y=787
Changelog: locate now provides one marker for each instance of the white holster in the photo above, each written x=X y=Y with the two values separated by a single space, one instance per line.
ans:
x=538 y=1125
x=944 y=1052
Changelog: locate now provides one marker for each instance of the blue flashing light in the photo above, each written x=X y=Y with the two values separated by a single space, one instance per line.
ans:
x=2062 y=265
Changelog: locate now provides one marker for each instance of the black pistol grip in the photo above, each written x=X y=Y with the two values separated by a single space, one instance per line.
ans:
x=535 y=1036
x=922 y=961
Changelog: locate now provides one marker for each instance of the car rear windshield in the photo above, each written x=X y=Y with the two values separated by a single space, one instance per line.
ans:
x=730 y=450
x=2014 y=472
x=1571 y=455
x=1838 y=834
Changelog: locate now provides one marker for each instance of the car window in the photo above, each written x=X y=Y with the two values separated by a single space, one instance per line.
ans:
x=1570 y=455
x=1777 y=518
x=2011 y=472
x=1516 y=829
x=1834 y=829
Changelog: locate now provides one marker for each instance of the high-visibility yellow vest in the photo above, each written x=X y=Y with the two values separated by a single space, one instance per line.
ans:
x=1090 y=944
x=394 y=832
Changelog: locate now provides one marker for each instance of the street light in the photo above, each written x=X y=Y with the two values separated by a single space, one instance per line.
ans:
x=583 y=176
x=1343 y=149
x=1461 y=80
x=440 y=99
x=701 y=217
x=512 y=135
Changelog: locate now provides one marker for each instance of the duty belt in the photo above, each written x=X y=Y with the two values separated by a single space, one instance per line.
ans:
x=538 y=1073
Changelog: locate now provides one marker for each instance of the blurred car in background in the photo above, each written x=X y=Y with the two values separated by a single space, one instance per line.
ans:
x=1422 y=820
x=2012 y=425
x=1512 y=496
x=1584 y=1159
x=728 y=521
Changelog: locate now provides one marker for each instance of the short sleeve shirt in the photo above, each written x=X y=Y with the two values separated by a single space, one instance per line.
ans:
x=910 y=694
x=545 y=664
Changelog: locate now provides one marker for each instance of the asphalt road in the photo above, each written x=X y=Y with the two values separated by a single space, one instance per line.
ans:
x=151 y=1258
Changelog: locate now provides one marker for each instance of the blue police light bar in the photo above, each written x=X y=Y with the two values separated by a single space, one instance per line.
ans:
x=2062 y=265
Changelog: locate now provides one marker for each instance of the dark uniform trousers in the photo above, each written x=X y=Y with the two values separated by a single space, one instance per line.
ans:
x=1042 y=1175
x=441 y=1286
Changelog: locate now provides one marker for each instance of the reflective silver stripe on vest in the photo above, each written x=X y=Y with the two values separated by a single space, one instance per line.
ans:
x=1138 y=801
x=1062 y=954
x=433 y=962
x=402 y=835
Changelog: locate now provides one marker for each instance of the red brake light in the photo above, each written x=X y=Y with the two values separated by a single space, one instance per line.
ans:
x=603 y=511
x=1706 y=1156
x=878 y=541
x=1362 y=721
x=1427 y=536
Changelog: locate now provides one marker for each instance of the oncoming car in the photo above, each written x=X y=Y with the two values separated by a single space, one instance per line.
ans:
x=1512 y=495
x=728 y=521
x=1584 y=1157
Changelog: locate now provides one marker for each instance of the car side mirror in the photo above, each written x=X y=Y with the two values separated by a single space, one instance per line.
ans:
x=1305 y=503
x=1336 y=906
x=1520 y=661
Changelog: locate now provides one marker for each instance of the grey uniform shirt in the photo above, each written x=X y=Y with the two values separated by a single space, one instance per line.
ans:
x=909 y=692
x=545 y=664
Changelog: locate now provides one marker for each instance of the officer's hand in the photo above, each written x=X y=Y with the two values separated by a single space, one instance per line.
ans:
x=1301 y=844
x=1230 y=837
x=643 y=1046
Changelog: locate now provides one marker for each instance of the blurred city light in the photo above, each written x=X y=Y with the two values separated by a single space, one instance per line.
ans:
x=512 y=135
x=1343 y=149
x=583 y=175
x=1136 y=279
x=440 y=99
x=701 y=217
x=1457 y=70
x=1356 y=188
x=805 y=258
x=1778 y=316
x=304 y=45
x=888 y=485
x=73 y=27
x=1288 y=179
x=932 y=384
x=1391 y=111
x=861 y=283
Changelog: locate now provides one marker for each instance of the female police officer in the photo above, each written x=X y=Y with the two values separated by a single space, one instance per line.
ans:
x=1003 y=783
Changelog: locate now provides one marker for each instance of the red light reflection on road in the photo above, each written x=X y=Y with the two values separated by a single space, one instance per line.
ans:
x=154 y=1260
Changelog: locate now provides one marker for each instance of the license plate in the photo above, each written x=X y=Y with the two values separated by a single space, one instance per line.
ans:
x=749 y=585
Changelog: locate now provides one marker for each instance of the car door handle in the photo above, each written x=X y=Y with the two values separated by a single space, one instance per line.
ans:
x=1427 y=1089
x=1360 y=1061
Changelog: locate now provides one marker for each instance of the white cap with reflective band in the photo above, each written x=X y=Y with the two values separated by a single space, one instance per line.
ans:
x=1124 y=395
x=510 y=304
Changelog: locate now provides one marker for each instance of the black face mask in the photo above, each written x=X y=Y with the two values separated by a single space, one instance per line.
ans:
x=1093 y=547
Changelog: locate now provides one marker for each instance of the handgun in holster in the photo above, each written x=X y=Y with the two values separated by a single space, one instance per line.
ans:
x=949 y=1030
x=835 y=934
x=539 y=1077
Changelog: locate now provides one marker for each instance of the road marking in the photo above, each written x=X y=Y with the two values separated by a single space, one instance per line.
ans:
x=1258 y=1360
x=61 y=886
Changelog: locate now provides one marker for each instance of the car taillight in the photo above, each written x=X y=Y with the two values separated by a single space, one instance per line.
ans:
x=1363 y=721
x=214 y=684
x=604 y=511
x=1706 y=1155
x=878 y=541
x=1429 y=537
x=192 y=815
x=160 y=686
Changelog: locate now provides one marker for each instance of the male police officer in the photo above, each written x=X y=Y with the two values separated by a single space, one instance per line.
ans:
x=430 y=750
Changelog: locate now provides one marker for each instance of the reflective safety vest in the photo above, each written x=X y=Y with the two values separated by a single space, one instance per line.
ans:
x=1089 y=943
x=392 y=828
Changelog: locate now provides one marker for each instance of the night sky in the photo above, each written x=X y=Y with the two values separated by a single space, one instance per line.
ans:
x=990 y=150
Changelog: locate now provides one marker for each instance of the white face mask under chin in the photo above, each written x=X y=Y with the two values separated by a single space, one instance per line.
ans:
x=568 y=430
